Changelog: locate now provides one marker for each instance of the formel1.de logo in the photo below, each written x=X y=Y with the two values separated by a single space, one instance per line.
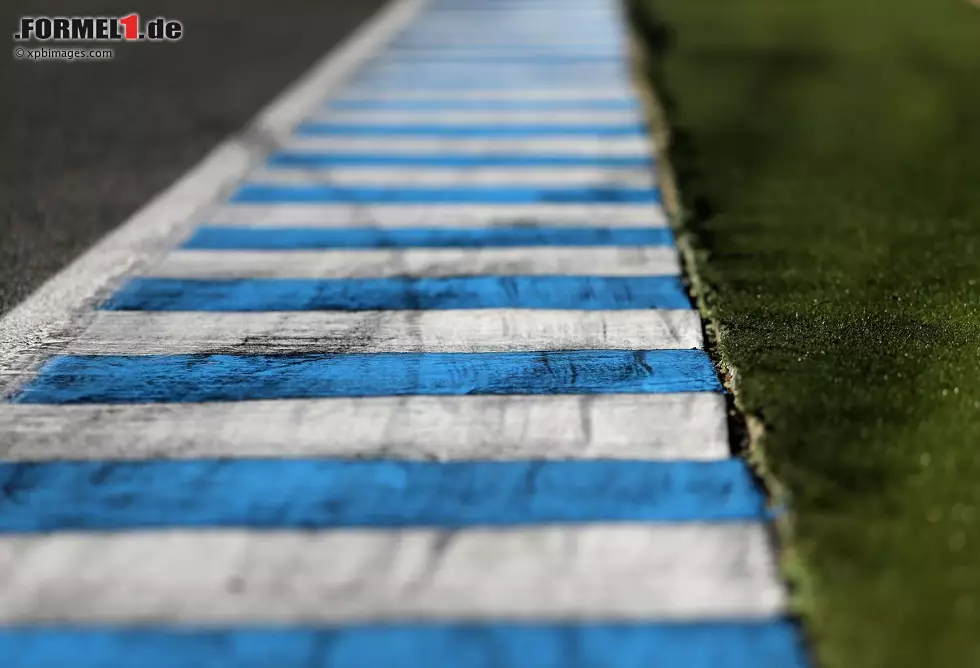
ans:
x=97 y=29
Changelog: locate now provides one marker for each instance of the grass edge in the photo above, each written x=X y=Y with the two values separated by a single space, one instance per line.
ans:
x=748 y=435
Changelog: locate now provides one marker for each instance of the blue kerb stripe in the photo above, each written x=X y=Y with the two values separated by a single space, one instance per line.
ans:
x=599 y=35
x=499 y=81
x=719 y=644
x=582 y=74
x=589 y=74
x=570 y=68
x=587 y=47
x=541 y=292
x=624 y=103
x=525 y=59
x=435 y=86
x=488 y=131
x=517 y=46
x=309 y=238
x=496 y=81
x=602 y=34
x=311 y=194
x=579 y=73
x=311 y=160
x=515 y=43
x=75 y=379
x=572 y=24
x=321 y=494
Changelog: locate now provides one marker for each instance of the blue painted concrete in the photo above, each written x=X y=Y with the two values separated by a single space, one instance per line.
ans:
x=311 y=160
x=261 y=294
x=717 y=644
x=69 y=379
x=312 y=238
x=503 y=58
x=315 y=129
x=323 y=494
x=314 y=194
x=448 y=104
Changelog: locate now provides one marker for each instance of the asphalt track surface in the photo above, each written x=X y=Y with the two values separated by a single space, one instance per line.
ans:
x=84 y=145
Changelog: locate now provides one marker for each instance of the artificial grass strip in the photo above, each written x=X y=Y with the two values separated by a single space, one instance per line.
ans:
x=828 y=157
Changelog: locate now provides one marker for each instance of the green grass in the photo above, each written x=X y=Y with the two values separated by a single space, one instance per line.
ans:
x=828 y=156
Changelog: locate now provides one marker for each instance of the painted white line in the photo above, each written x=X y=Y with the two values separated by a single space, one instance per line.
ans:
x=490 y=330
x=635 y=146
x=429 y=215
x=422 y=262
x=690 y=426
x=482 y=117
x=673 y=572
x=600 y=177
x=50 y=314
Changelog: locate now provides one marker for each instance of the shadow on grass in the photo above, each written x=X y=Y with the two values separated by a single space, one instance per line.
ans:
x=769 y=70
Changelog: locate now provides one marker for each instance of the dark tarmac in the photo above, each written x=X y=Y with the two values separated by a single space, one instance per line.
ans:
x=84 y=144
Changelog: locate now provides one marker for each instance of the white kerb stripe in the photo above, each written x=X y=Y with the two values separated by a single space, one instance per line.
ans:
x=430 y=215
x=462 y=331
x=438 y=262
x=656 y=426
x=630 y=146
x=498 y=117
x=408 y=176
x=671 y=572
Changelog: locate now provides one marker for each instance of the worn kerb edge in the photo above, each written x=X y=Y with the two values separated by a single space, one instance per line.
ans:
x=46 y=317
